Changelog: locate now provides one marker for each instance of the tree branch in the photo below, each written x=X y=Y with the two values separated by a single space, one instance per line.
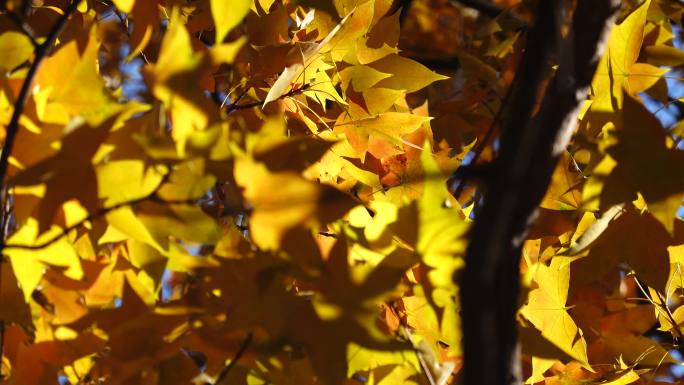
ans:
x=41 y=52
x=96 y=214
x=530 y=148
x=13 y=127
x=241 y=351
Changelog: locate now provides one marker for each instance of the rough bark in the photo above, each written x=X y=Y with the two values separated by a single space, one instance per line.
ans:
x=530 y=148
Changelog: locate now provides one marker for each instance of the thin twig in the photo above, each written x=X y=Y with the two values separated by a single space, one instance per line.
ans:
x=295 y=91
x=237 y=100
x=327 y=234
x=241 y=351
x=660 y=306
x=420 y=355
x=124 y=24
x=96 y=214
x=13 y=126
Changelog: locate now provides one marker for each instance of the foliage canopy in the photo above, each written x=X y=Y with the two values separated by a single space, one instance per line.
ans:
x=255 y=192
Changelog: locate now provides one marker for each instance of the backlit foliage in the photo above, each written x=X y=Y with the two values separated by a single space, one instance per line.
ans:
x=254 y=192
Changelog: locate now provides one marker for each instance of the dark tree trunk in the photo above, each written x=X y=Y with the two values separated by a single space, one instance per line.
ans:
x=530 y=147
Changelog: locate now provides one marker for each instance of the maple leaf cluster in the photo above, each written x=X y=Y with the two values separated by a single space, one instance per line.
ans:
x=255 y=192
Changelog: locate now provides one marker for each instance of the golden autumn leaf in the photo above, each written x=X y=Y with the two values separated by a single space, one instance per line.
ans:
x=62 y=77
x=227 y=15
x=642 y=245
x=15 y=49
x=663 y=55
x=546 y=308
x=64 y=170
x=58 y=252
x=650 y=174
x=380 y=135
x=284 y=201
x=174 y=80
x=615 y=69
x=14 y=308
x=407 y=75
x=258 y=191
x=304 y=55
x=145 y=19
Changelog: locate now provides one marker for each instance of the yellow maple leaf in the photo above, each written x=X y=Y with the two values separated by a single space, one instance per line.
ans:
x=228 y=14
x=547 y=311
x=15 y=48
x=617 y=65
x=30 y=264
x=283 y=201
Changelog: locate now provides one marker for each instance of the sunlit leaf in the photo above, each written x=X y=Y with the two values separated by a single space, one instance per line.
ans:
x=284 y=201
x=546 y=308
x=227 y=15
x=15 y=48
